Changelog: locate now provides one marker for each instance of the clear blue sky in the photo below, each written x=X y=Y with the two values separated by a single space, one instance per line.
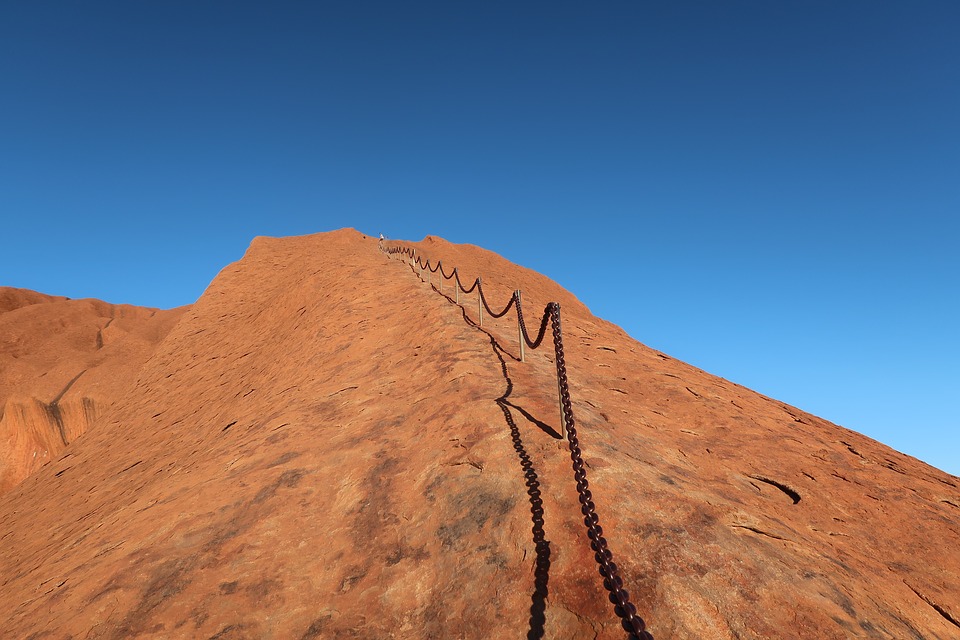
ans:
x=767 y=190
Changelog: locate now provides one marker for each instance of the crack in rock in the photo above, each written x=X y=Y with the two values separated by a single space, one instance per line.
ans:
x=759 y=531
x=794 y=495
x=943 y=612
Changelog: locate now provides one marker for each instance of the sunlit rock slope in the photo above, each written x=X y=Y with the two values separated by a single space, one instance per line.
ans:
x=326 y=447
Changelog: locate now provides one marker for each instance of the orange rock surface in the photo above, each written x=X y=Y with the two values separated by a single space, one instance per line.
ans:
x=324 y=446
x=62 y=363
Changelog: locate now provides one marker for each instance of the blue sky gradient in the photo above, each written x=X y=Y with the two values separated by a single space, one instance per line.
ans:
x=769 y=191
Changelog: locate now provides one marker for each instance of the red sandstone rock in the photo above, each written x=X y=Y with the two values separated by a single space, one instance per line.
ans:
x=316 y=450
x=62 y=363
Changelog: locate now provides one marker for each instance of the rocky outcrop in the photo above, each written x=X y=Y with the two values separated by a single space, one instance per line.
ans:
x=326 y=447
x=62 y=363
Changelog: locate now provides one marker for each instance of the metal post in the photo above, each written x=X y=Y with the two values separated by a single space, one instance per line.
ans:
x=479 y=302
x=456 y=287
x=440 y=276
x=520 y=329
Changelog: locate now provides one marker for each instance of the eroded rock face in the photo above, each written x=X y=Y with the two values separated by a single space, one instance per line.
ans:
x=326 y=447
x=62 y=363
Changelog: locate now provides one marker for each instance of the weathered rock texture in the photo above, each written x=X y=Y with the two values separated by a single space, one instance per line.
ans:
x=62 y=363
x=325 y=447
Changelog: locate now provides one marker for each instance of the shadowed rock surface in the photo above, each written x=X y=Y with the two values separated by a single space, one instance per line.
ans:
x=325 y=447
x=62 y=363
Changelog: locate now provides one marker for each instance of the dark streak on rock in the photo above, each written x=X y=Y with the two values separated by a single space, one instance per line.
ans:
x=479 y=507
x=290 y=478
x=227 y=632
x=228 y=426
x=168 y=580
x=286 y=457
x=844 y=602
x=226 y=588
x=316 y=628
x=53 y=409
x=354 y=575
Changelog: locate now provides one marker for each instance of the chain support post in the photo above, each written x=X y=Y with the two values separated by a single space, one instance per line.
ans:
x=523 y=357
x=456 y=284
x=479 y=301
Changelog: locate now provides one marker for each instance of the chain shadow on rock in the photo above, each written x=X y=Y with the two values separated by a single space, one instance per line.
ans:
x=541 y=572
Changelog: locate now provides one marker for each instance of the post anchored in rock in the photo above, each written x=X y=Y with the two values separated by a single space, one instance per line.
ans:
x=520 y=328
x=479 y=301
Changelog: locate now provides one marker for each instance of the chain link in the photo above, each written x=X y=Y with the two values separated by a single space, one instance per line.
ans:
x=612 y=582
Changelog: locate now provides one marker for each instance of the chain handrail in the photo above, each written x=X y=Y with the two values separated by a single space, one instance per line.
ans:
x=632 y=623
x=513 y=299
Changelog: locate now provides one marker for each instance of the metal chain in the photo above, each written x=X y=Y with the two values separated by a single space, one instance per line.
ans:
x=533 y=344
x=505 y=309
x=612 y=582
x=620 y=597
x=476 y=283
